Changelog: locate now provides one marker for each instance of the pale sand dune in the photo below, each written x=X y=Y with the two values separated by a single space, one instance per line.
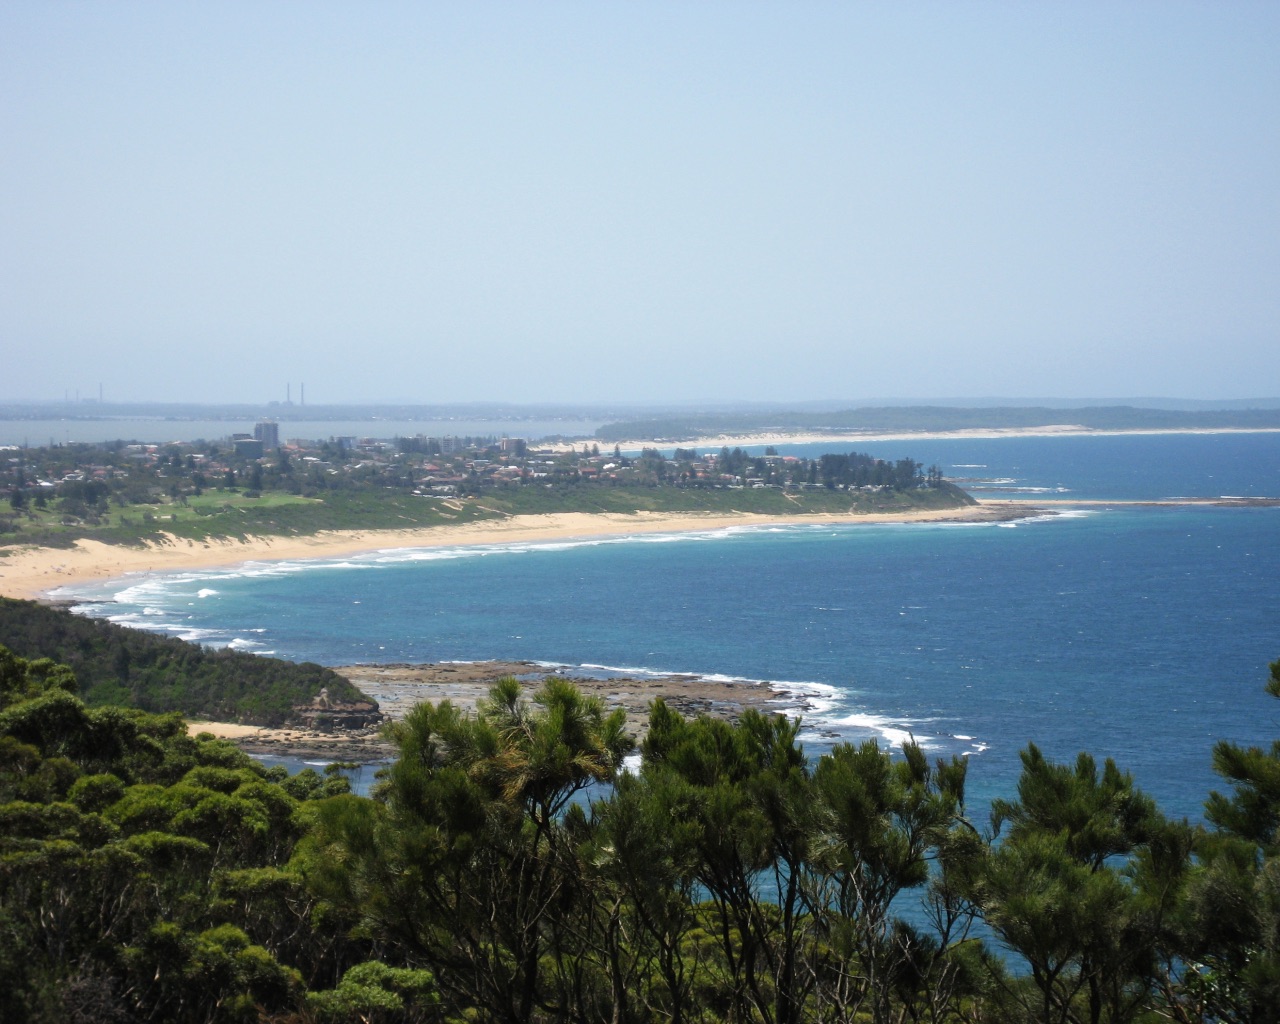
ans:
x=857 y=437
x=35 y=572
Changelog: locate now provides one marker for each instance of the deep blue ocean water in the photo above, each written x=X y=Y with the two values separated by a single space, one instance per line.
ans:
x=1138 y=633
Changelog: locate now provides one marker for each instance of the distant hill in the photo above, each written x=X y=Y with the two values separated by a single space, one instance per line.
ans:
x=934 y=418
x=116 y=665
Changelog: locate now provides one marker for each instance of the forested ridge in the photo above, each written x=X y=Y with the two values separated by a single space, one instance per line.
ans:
x=117 y=665
x=495 y=875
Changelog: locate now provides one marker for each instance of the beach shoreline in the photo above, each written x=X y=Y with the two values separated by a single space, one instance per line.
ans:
x=873 y=436
x=38 y=573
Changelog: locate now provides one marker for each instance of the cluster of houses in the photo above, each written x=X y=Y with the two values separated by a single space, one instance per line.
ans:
x=428 y=466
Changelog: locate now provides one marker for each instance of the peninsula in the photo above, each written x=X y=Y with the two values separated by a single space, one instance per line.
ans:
x=78 y=512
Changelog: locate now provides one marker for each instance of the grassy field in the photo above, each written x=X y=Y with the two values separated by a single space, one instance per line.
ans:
x=220 y=514
x=229 y=514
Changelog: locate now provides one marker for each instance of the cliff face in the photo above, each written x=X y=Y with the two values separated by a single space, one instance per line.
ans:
x=325 y=714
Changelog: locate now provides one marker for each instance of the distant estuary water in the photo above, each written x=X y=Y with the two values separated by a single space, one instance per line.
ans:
x=1139 y=633
x=163 y=431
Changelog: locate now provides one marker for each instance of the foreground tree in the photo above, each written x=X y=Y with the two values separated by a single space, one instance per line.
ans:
x=1059 y=894
x=464 y=863
x=1232 y=936
x=644 y=858
x=114 y=825
x=149 y=875
x=882 y=822
x=742 y=799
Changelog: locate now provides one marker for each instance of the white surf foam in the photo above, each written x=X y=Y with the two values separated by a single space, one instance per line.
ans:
x=893 y=732
x=150 y=590
x=212 y=637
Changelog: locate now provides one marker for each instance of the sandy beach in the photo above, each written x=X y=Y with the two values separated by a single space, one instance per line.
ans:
x=34 y=573
x=361 y=748
x=871 y=436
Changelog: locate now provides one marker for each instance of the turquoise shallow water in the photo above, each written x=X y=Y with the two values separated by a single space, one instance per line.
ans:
x=1138 y=633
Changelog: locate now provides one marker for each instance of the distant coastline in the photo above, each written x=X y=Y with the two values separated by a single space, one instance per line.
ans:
x=861 y=437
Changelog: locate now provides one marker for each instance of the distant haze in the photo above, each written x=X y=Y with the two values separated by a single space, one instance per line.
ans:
x=652 y=203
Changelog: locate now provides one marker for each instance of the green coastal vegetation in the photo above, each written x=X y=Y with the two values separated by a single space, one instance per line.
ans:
x=505 y=870
x=919 y=419
x=117 y=665
x=133 y=493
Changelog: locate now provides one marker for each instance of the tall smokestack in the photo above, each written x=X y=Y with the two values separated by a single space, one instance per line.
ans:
x=288 y=394
x=302 y=399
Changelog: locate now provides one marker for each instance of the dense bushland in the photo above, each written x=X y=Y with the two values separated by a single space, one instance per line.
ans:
x=117 y=665
x=496 y=875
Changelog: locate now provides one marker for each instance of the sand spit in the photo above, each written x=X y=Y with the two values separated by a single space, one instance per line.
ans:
x=858 y=437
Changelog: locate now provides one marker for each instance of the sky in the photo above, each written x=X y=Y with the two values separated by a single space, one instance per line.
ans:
x=638 y=202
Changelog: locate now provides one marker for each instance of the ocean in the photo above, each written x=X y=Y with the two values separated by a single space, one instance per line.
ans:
x=1134 y=632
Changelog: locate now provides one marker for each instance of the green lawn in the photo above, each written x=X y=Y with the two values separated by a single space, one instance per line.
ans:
x=218 y=514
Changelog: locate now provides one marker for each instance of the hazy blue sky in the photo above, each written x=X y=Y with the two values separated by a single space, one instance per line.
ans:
x=647 y=201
